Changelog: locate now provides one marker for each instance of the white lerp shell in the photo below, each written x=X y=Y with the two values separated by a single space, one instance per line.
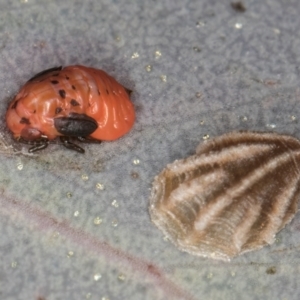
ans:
x=233 y=196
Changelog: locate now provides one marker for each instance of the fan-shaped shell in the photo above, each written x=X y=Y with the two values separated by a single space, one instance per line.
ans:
x=233 y=196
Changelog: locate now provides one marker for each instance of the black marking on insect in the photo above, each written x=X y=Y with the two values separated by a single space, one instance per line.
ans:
x=62 y=93
x=54 y=81
x=107 y=92
x=35 y=77
x=67 y=77
x=15 y=105
x=75 y=125
x=24 y=121
x=98 y=92
x=73 y=87
x=58 y=110
x=74 y=102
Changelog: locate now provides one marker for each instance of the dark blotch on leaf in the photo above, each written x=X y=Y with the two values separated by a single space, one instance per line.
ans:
x=271 y=270
x=238 y=6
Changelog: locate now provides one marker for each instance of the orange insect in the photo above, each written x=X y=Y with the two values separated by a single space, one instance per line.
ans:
x=72 y=102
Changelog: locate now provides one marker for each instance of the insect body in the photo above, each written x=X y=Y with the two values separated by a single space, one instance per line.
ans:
x=72 y=102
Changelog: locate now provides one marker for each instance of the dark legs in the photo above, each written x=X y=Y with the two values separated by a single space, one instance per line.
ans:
x=65 y=141
x=37 y=145
x=88 y=140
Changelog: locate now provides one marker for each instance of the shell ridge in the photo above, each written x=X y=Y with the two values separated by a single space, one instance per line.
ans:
x=231 y=197
x=243 y=185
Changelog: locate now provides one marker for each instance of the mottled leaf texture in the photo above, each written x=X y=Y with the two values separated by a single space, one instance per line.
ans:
x=231 y=197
